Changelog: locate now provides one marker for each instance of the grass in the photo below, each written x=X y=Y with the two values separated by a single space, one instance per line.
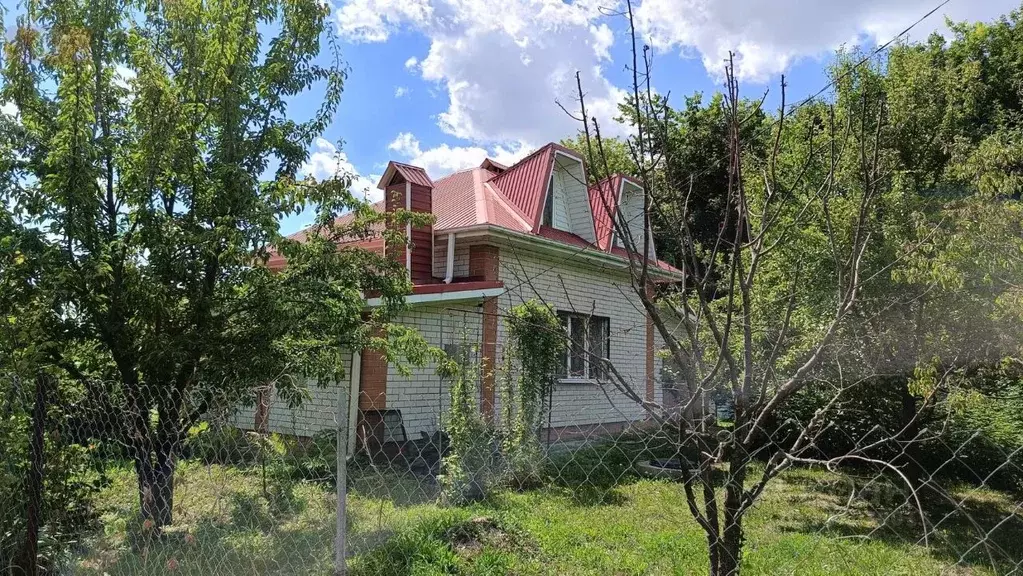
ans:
x=596 y=517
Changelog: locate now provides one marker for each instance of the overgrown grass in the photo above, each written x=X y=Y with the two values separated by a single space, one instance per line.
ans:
x=596 y=517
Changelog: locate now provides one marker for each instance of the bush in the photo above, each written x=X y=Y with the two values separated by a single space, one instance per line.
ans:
x=220 y=444
x=70 y=482
x=981 y=435
x=472 y=465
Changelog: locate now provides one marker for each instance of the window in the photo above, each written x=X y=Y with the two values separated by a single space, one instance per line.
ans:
x=548 y=206
x=589 y=339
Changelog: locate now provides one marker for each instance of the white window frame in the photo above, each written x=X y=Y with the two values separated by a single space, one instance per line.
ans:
x=590 y=371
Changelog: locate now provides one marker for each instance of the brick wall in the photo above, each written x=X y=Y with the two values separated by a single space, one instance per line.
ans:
x=422 y=396
x=440 y=258
x=317 y=413
x=587 y=289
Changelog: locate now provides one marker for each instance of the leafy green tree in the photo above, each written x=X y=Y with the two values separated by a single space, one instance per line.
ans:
x=617 y=158
x=142 y=182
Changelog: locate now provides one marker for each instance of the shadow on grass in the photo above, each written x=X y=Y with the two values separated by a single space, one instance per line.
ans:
x=974 y=527
x=593 y=472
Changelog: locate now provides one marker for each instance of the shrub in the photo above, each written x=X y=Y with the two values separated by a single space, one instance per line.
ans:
x=472 y=465
x=537 y=342
x=71 y=481
x=220 y=444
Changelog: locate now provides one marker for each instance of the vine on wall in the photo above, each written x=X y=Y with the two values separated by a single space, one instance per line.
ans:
x=537 y=343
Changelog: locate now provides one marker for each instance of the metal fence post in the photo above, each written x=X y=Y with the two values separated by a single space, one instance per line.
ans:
x=340 y=537
x=34 y=485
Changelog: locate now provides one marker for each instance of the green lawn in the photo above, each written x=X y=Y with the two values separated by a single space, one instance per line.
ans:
x=602 y=519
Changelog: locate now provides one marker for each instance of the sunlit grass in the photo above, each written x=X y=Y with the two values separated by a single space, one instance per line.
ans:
x=601 y=519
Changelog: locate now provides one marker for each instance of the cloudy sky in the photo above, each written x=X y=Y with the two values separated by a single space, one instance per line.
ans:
x=445 y=83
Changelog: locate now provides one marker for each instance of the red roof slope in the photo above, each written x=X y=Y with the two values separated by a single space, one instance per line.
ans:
x=603 y=203
x=413 y=174
x=509 y=198
x=524 y=183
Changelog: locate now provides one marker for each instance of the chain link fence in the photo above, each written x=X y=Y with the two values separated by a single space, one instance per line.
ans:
x=255 y=490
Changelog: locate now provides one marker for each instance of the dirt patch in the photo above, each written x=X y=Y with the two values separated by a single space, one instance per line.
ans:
x=470 y=538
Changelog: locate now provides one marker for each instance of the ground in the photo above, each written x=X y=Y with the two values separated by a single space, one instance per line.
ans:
x=595 y=517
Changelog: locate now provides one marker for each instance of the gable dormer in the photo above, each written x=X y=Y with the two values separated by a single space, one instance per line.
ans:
x=631 y=217
x=566 y=202
x=620 y=198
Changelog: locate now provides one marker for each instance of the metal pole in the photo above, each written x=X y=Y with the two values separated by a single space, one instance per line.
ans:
x=340 y=536
x=35 y=478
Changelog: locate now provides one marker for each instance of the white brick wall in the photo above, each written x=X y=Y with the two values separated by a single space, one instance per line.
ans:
x=318 y=412
x=585 y=289
x=440 y=258
x=424 y=398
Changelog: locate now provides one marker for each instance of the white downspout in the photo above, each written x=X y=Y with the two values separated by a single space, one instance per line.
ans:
x=450 y=271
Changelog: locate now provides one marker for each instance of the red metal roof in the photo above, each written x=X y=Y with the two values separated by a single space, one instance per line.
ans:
x=524 y=183
x=413 y=174
x=509 y=199
x=604 y=203
x=468 y=198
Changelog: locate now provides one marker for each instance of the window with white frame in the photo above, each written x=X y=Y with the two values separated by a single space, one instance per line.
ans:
x=589 y=339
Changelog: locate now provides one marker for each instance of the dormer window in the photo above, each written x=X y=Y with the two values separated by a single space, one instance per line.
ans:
x=566 y=204
x=548 y=206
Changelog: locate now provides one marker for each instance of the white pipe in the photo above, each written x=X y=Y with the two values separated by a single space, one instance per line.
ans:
x=450 y=272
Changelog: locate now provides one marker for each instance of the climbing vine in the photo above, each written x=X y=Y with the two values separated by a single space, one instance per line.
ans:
x=537 y=343
x=471 y=465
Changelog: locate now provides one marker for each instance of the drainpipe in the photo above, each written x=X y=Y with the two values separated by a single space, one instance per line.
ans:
x=450 y=272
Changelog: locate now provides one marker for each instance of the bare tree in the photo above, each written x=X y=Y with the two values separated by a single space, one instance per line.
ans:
x=761 y=312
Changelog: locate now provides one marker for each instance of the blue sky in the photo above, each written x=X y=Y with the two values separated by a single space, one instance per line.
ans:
x=442 y=83
x=445 y=83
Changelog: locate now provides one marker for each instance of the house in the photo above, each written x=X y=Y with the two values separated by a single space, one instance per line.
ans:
x=504 y=235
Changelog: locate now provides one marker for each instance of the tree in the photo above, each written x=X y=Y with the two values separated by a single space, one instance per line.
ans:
x=802 y=287
x=142 y=183
x=617 y=159
x=687 y=154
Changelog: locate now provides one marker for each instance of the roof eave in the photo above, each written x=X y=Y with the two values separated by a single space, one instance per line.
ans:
x=552 y=246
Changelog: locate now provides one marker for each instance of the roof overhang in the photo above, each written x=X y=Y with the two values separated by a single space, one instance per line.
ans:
x=591 y=254
x=459 y=291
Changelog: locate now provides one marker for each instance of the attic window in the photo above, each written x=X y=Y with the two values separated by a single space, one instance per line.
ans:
x=548 y=206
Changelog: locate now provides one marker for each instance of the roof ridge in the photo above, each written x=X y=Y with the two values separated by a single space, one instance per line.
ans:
x=523 y=160
x=504 y=201
x=480 y=197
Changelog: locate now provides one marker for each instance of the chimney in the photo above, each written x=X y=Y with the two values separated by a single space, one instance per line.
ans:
x=410 y=188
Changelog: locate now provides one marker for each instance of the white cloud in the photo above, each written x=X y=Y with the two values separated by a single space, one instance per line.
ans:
x=9 y=109
x=502 y=63
x=411 y=63
x=326 y=161
x=375 y=20
x=401 y=91
x=442 y=160
x=123 y=76
x=768 y=37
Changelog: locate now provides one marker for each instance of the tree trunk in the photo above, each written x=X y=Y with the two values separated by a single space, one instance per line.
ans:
x=731 y=547
x=911 y=453
x=35 y=479
x=156 y=487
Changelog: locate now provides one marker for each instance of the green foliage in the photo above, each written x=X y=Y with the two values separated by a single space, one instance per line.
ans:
x=141 y=188
x=472 y=466
x=452 y=542
x=70 y=478
x=536 y=341
x=220 y=444
x=616 y=157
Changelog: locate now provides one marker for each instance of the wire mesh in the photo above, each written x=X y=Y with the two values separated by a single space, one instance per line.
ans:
x=587 y=491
